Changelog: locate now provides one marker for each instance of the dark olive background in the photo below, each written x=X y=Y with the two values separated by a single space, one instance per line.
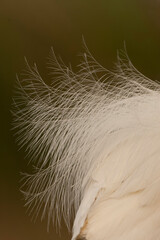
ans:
x=29 y=28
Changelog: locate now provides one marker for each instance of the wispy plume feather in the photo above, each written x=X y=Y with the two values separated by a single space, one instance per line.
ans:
x=71 y=125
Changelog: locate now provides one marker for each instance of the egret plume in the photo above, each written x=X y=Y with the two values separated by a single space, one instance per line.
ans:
x=94 y=139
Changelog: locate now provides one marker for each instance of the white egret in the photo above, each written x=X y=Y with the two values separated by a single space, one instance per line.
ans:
x=94 y=137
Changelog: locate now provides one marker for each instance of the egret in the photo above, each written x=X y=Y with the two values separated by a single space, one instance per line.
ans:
x=94 y=139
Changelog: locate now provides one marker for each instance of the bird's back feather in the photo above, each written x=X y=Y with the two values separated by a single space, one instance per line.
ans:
x=94 y=137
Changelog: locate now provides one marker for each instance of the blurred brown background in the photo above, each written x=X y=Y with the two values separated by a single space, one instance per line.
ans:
x=29 y=28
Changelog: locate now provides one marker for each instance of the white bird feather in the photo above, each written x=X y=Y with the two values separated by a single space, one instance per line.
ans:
x=94 y=137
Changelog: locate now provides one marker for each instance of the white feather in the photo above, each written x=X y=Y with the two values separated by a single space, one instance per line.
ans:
x=93 y=135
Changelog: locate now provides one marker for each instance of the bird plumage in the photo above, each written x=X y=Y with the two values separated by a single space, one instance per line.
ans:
x=94 y=137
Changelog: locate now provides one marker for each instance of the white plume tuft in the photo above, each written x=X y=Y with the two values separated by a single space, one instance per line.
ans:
x=71 y=126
